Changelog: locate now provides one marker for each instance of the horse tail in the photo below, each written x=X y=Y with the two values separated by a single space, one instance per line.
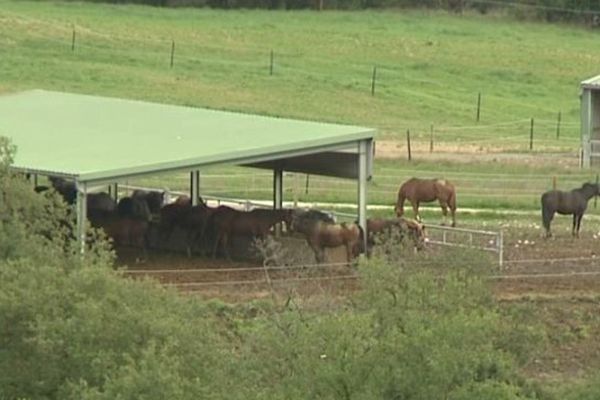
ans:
x=546 y=213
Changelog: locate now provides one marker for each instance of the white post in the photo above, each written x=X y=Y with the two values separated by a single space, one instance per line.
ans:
x=363 y=149
x=81 y=205
x=195 y=186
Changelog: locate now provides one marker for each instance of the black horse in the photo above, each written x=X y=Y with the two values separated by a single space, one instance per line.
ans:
x=566 y=203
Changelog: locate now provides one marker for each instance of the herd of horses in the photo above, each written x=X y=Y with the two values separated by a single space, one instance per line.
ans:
x=144 y=218
x=131 y=220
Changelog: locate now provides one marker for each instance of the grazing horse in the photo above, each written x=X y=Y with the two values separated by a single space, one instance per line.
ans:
x=256 y=223
x=403 y=226
x=320 y=235
x=425 y=190
x=573 y=202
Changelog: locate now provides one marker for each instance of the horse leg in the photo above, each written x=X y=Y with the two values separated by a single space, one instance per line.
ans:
x=576 y=224
x=444 y=207
x=546 y=219
x=415 y=207
x=218 y=237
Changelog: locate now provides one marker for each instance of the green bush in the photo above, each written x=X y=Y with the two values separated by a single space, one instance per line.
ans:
x=410 y=335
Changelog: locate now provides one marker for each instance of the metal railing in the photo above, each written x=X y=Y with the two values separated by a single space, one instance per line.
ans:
x=467 y=238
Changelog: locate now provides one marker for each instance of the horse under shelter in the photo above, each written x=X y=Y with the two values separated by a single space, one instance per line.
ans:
x=98 y=141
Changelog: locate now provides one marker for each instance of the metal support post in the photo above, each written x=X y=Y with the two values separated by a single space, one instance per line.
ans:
x=81 y=214
x=363 y=151
x=195 y=186
x=278 y=195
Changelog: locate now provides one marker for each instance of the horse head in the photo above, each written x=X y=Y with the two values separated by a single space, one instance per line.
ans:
x=416 y=231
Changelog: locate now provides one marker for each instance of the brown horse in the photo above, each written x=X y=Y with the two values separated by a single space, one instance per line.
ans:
x=320 y=235
x=405 y=227
x=425 y=190
x=257 y=223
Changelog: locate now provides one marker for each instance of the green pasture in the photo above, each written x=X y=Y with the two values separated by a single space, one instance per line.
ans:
x=484 y=186
x=430 y=66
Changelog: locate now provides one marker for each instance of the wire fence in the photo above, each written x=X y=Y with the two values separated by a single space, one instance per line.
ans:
x=534 y=133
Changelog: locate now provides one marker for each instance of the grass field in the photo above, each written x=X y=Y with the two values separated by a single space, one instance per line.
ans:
x=430 y=66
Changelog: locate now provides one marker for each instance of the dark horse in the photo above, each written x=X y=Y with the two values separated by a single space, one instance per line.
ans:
x=256 y=223
x=573 y=202
x=425 y=190
x=320 y=234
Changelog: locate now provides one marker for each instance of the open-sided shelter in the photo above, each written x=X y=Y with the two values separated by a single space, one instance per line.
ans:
x=99 y=140
x=590 y=122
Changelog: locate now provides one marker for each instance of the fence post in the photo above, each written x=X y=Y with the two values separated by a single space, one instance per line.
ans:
x=431 y=139
x=408 y=144
x=373 y=81
x=271 y=64
x=478 y=105
x=500 y=244
x=554 y=183
x=172 y=52
x=73 y=40
x=596 y=197
x=558 y=126
x=531 y=136
x=306 y=185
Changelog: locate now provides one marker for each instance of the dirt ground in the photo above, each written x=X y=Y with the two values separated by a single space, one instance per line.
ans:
x=559 y=278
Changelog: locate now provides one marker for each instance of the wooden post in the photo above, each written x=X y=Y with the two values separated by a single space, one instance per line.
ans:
x=306 y=185
x=478 y=105
x=554 y=183
x=73 y=40
x=531 y=136
x=431 y=139
x=172 y=52
x=558 y=126
x=373 y=81
x=271 y=64
x=408 y=144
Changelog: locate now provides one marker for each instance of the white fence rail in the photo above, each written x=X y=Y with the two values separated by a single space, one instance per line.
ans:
x=466 y=238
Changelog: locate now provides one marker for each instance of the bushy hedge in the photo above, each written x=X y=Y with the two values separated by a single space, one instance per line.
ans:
x=73 y=328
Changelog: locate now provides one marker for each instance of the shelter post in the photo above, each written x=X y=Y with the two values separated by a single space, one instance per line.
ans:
x=586 y=127
x=363 y=152
x=81 y=205
x=278 y=194
x=195 y=186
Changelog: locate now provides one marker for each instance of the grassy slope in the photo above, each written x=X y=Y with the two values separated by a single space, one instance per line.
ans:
x=430 y=65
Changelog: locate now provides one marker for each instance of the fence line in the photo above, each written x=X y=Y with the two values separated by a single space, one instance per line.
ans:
x=236 y=269
x=357 y=277
x=263 y=281
x=250 y=51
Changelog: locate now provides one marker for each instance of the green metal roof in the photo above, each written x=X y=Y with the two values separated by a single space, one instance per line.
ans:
x=99 y=138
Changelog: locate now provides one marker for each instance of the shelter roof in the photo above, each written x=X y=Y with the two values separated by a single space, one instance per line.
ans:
x=591 y=83
x=92 y=138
